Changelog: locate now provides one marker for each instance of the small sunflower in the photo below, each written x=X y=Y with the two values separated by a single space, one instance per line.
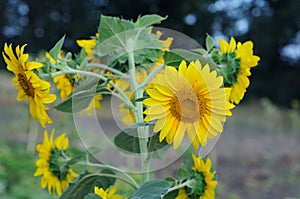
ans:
x=182 y=194
x=236 y=60
x=88 y=45
x=188 y=100
x=64 y=85
x=205 y=182
x=94 y=104
x=109 y=193
x=29 y=85
x=53 y=164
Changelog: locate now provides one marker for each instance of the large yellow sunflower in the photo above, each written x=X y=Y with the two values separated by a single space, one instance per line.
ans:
x=238 y=59
x=29 y=85
x=109 y=193
x=189 y=101
x=204 y=173
x=53 y=164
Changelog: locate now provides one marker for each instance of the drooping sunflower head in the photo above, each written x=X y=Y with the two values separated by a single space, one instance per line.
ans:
x=204 y=175
x=236 y=60
x=53 y=164
x=17 y=62
x=30 y=86
x=189 y=101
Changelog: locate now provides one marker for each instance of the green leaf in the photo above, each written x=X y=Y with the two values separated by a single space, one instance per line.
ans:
x=183 y=174
x=55 y=50
x=93 y=150
x=175 y=56
x=82 y=99
x=85 y=184
x=92 y=196
x=171 y=195
x=152 y=190
x=82 y=96
x=148 y=20
x=119 y=37
x=111 y=26
x=210 y=43
x=128 y=141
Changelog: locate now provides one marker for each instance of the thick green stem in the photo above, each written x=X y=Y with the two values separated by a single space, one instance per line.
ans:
x=138 y=113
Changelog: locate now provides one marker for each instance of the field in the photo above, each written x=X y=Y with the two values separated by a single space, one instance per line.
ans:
x=256 y=157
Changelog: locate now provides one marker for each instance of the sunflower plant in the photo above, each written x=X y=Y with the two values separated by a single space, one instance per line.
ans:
x=168 y=97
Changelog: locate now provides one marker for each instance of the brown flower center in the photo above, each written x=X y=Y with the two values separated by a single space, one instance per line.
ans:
x=187 y=106
x=25 y=85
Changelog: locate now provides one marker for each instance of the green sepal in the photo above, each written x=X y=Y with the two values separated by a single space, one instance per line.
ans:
x=152 y=190
x=209 y=42
x=183 y=174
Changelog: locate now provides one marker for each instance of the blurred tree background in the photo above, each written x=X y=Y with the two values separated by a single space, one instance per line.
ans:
x=273 y=26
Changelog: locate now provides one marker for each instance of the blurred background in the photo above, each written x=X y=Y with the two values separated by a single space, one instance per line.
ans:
x=258 y=155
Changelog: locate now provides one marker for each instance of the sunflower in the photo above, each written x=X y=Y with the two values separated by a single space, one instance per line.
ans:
x=28 y=83
x=236 y=60
x=205 y=182
x=94 y=104
x=64 y=85
x=109 y=193
x=88 y=45
x=188 y=100
x=53 y=164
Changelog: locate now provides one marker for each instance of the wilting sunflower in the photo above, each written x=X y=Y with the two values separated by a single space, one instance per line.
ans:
x=189 y=101
x=205 y=182
x=109 y=193
x=53 y=164
x=29 y=85
x=236 y=60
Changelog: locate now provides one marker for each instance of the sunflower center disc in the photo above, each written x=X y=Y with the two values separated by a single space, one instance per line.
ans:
x=25 y=85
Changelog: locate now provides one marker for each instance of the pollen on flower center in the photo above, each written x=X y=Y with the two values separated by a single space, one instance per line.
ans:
x=25 y=85
x=185 y=106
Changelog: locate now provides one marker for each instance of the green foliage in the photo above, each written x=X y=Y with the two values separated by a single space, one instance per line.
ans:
x=148 y=20
x=85 y=184
x=128 y=141
x=57 y=48
x=92 y=196
x=152 y=190
x=16 y=174
x=82 y=96
x=175 y=56
x=118 y=38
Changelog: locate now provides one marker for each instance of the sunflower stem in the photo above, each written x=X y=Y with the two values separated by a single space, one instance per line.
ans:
x=138 y=113
x=102 y=166
x=69 y=70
